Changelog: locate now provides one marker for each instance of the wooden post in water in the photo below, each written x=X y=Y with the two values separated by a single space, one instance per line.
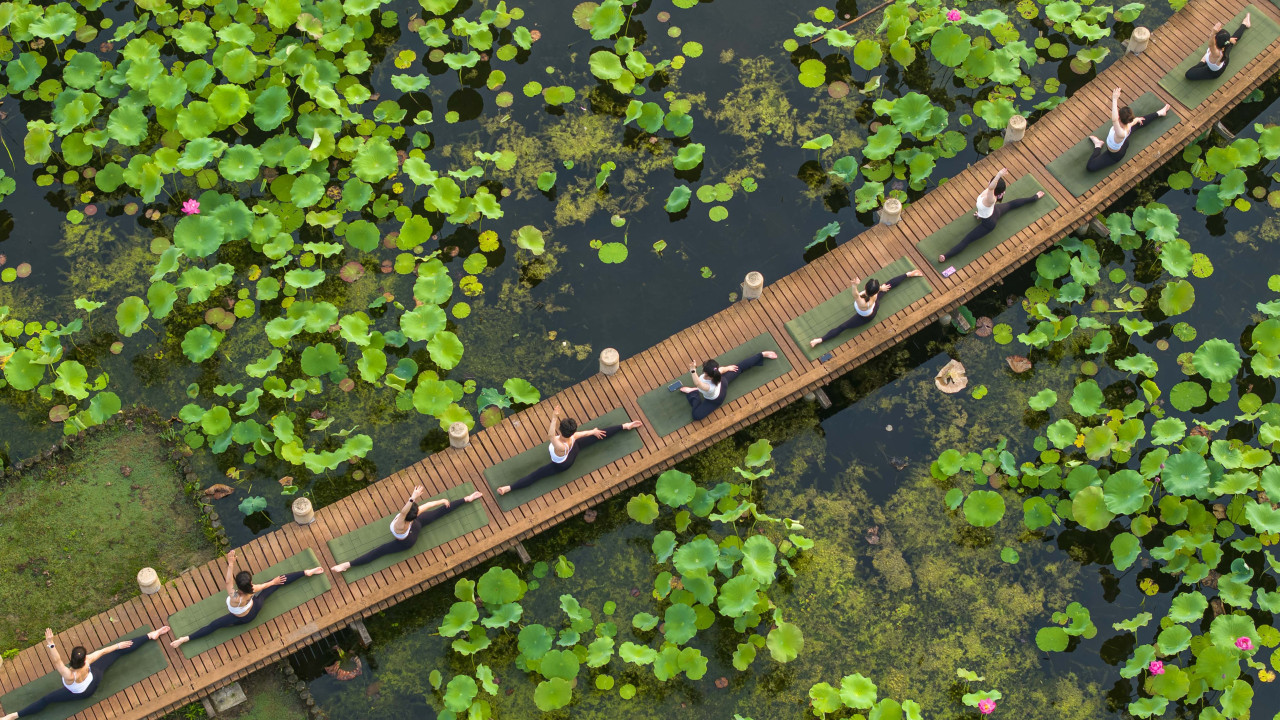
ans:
x=1016 y=129
x=891 y=211
x=459 y=437
x=148 y=581
x=1138 y=40
x=302 y=512
x=752 y=286
x=609 y=361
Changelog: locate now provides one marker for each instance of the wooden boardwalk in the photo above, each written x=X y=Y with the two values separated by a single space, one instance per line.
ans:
x=186 y=680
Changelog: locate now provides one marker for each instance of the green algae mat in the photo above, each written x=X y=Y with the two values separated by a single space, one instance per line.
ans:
x=188 y=620
x=1012 y=223
x=1069 y=167
x=668 y=411
x=471 y=516
x=128 y=670
x=1256 y=39
x=590 y=459
x=840 y=308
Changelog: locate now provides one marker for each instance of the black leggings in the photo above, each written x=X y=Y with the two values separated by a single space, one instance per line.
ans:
x=1103 y=156
x=987 y=224
x=230 y=620
x=395 y=545
x=1201 y=71
x=98 y=668
x=860 y=320
x=703 y=407
x=553 y=468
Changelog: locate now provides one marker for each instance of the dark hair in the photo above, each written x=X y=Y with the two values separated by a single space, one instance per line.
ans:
x=78 y=655
x=413 y=513
x=711 y=369
x=1126 y=115
x=568 y=426
x=871 y=288
x=1221 y=39
x=1000 y=188
x=244 y=581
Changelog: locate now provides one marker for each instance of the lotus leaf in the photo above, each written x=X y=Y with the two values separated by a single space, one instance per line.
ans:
x=737 y=596
x=1262 y=518
x=559 y=664
x=1087 y=398
x=131 y=313
x=198 y=236
x=1185 y=474
x=320 y=359
x=867 y=54
x=984 y=508
x=1266 y=337
x=1043 y=400
x=858 y=692
x=304 y=279
x=1188 y=607
x=689 y=156
x=785 y=642
x=1169 y=430
x=499 y=586
x=1124 y=492
x=1052 y=639
x=883 y=143
x=459 y=693
x=606 y=65
x=911 y=112
x=1187 y=395
x=1217 y=360
x=699 y=554
x=196 y=120
x=680 y=622
x=607 y=19
x=1089 y=508
x=534 y=641
x=643 y=508
x=758 y=559
x=1124 y=550
x=422 y=323
x=950 y=46
x=1177 y=297
x=445 y=349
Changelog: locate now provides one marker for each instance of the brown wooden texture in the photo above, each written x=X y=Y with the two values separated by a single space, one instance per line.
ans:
x=187 y=680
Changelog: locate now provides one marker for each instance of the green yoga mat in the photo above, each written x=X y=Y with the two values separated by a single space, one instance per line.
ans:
x=128 y=670
x=1012 y=223
x=1069 y=167
x=840 y=308
x=1193 y=92
x=290 y=596
x=668 y=411
x=589 y=460
x=450 y=527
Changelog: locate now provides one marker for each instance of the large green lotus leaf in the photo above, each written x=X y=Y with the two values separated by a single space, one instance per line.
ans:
x=215 y=421
x=1090 y=508
x=459 y=619
x=23 y=71
x=1061 y=433
x=758 y=559
x=22 y=370
x=737 y=596
x=521 y=391
x=82 y=71
x=1187 y=395
x=530 y=238
x=422 y=323
x=73 y=109
x=681 y=624
x=200 y=343
x=203 y=282
x=415 y=231
x=38 y=143
x=1266 y=337
x=499 y=586
x=1185 y=474
x=198 y=235
x=1087 y=398
x=1217 y=360
x=1167 y=431
x=433 y=286
x=1036 y=513
x=459 y=693
x=1124 y=492
x=983 y=508
x=824 y=699
x=241 y=163
x=534 y=641
x=553 y=694
x=1262 y=518
x=785 y=642
x=431 y=397
x=559 y=664
x=375 y=161
x=950 y=46
x=55 y=26
x=689 y=156
x=606 y=65
x=303 y=279
x=858 y=691
x=240 y=66
x=230 y=103
x=867 y=54
x=71 y=379
x=1052 y=639
x=675 y=488
x=200 y=152
x=306 y=190
x=445 y=349
x=194 y=37
x=607 y=19
x=160 y=298
x=320 y=359
x=131 y=313
x=883 y=143
x=167 y=92
x=911 y=112
x=1124 y=550
x=700 y=554
x=196 y=120
x=1188 y=607
x=1173 y=640
x=1236 y=700
x=271 y=107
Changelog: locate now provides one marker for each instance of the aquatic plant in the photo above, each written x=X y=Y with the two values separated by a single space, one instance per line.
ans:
x=708 y=575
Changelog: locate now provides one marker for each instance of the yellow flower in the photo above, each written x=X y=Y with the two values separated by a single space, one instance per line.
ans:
x=1266 y=675
x=1080 y=440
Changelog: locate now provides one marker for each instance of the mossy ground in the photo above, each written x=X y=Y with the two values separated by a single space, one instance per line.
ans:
x=75 y=530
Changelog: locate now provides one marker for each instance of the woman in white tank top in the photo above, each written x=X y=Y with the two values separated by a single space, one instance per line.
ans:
x=988 y=210
x=564 y=441
x=1218 y=54
x=1123 y=125
x=82 y=675
x=406 y=525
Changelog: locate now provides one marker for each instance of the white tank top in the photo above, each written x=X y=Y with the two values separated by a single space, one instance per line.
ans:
x=715 y=389
x=394 y=534
x=239 y=611
x=1213 y=67
x=557 y=459
x=1112 y=143
x=867 y=313
x=984 y=211
x=79 y=687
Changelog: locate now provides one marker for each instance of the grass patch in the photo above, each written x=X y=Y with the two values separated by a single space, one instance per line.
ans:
x=75 y=530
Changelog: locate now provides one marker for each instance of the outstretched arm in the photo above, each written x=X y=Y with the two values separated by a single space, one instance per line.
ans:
x=231 y=572
x=1213 y=34
x=1115 y=111
x=990 y=192
x=553 y=429
x=54 y=657
x=93 y=656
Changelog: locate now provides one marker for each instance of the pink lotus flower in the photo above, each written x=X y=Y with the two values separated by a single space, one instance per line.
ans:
x=1244 y=643
x=191 y=207
x=1156 y=667
x=954 y=16
x=986 y=707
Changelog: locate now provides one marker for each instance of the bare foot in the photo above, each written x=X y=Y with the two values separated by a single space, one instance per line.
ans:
x=942 y=258
x=504 y=489
x=915 y=273
x=1247 y=22
x=770 y=354
x=474 y=496
x=632 y=425
x=1163 y=111
x=179 y=642
x=1040 y=194
x=10 y=716
x=157 y=633
x=815 y=342
x=341 y=567
x=314 y=571
x=687 y=390
x=1096 y=142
